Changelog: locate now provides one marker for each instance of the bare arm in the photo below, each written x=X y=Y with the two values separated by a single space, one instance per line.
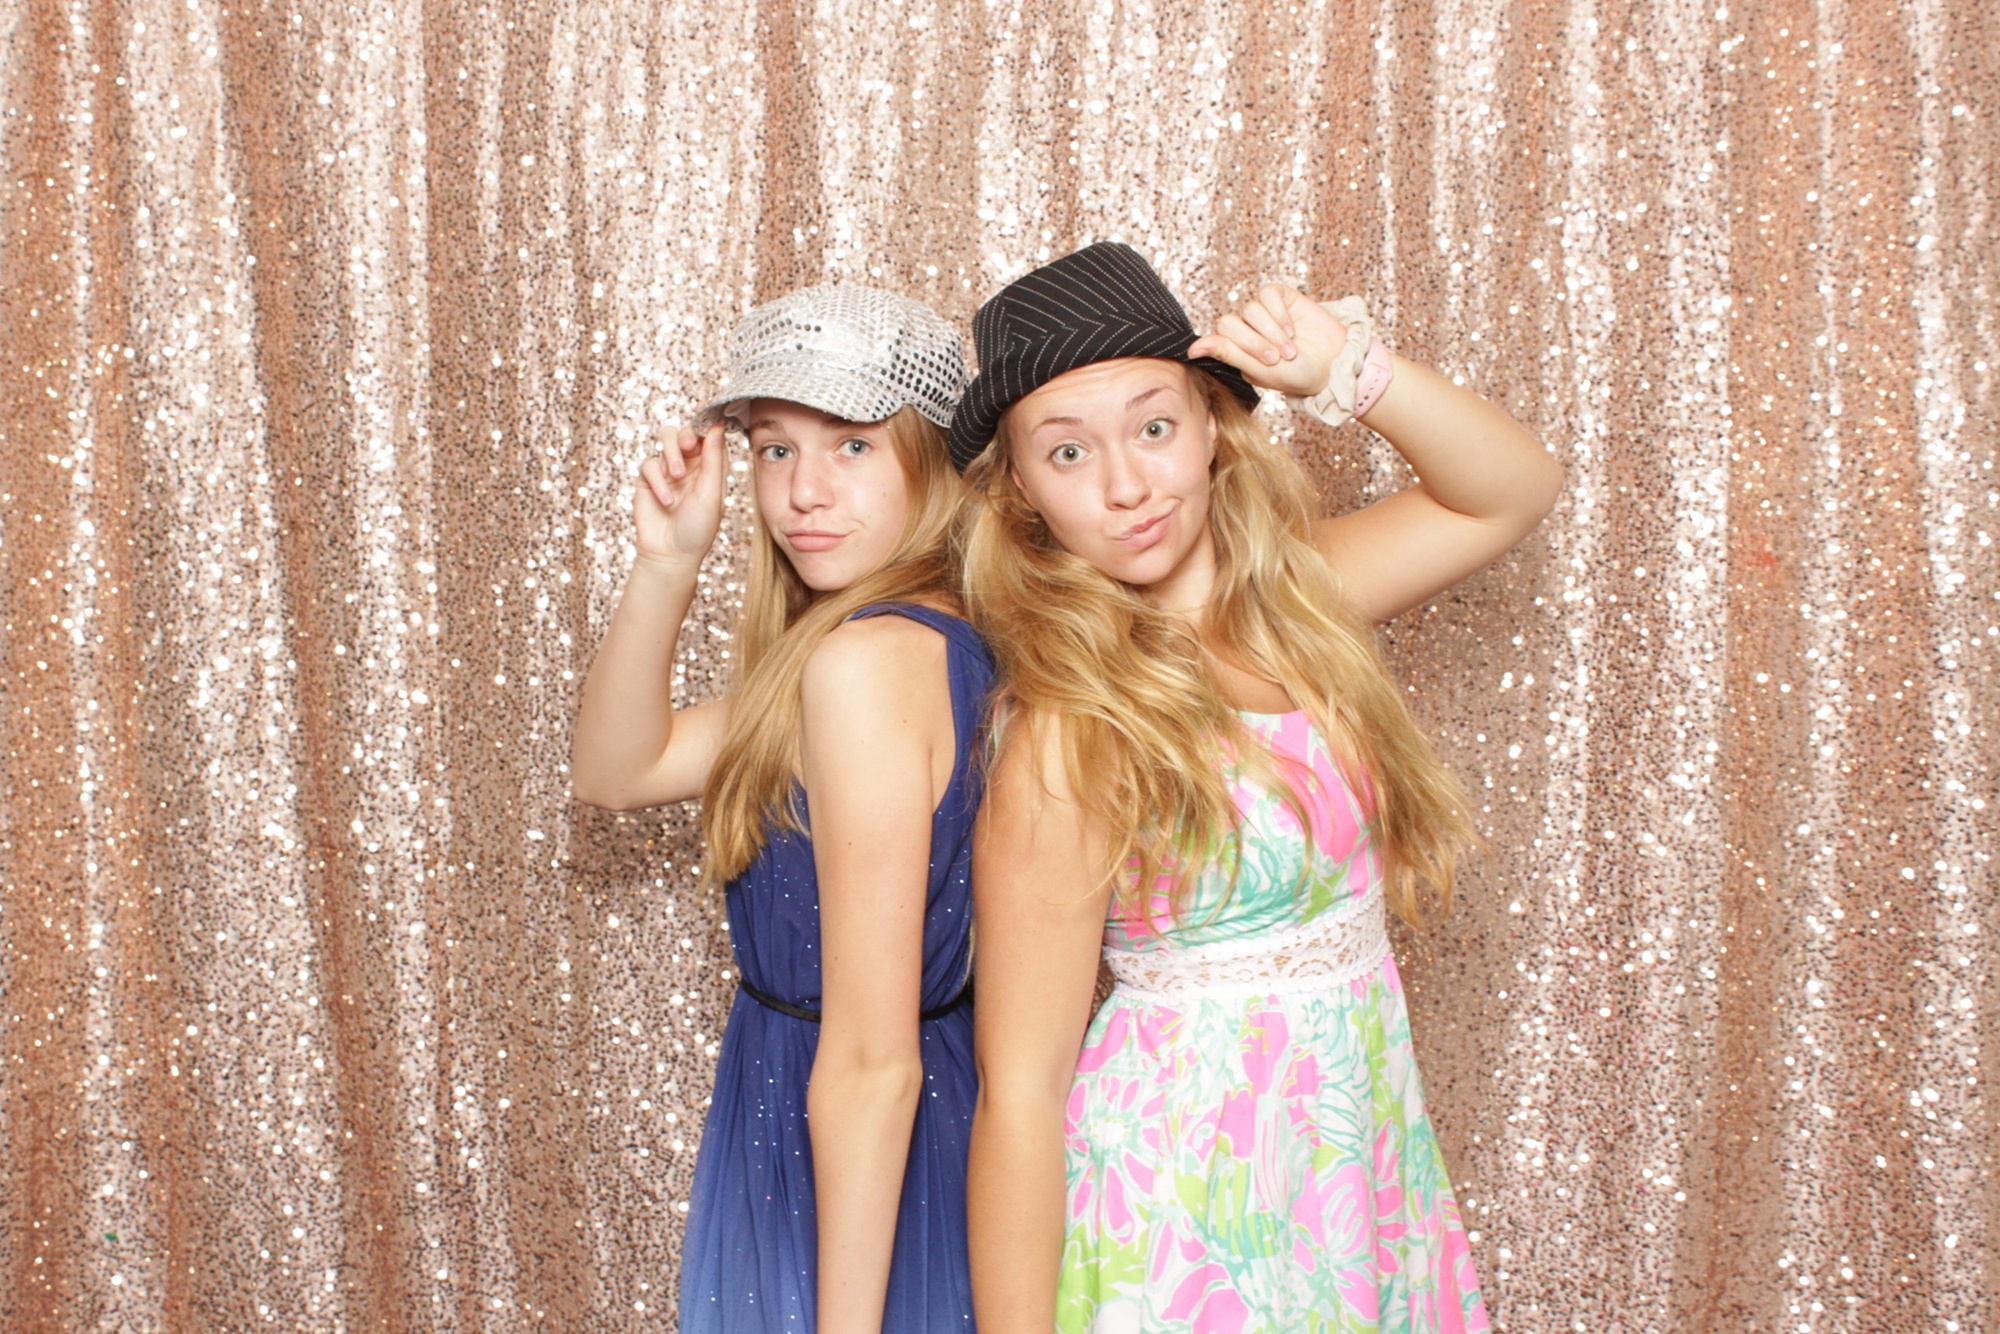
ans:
x=1483 y=480
x=1040 y=904
x=630 y=748
x=875 y=747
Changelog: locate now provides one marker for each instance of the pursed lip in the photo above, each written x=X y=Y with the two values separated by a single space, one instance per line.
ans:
x=1143 y=535
x=813 y=539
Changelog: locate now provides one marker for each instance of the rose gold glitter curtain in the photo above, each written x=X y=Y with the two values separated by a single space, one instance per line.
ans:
x=333 y=334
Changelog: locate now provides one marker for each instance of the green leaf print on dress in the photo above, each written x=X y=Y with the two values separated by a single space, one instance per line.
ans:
x=1253 y=1157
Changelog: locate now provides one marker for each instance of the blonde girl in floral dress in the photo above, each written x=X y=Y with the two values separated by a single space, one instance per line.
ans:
x=1206 y=777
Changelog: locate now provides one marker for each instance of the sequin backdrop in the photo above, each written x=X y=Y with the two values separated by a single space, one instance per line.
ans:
x=333 y=334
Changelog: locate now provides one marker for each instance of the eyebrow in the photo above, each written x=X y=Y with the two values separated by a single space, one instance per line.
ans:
x=772 y=423
x=1130 y=403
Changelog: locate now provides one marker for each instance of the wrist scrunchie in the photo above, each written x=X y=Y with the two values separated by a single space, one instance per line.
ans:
x=1361 y=370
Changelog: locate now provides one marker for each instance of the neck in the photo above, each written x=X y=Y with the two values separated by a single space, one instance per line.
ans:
x=1188 y=586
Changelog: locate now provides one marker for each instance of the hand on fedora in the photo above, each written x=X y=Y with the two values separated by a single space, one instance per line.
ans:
x=677 y=509
x=1281 y=339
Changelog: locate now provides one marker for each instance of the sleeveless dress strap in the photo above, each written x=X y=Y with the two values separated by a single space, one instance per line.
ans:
x=955 y=628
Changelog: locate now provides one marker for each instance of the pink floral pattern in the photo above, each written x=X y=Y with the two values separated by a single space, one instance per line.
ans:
x=1262 y=1165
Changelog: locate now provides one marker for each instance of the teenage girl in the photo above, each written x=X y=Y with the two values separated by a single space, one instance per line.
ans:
x=1206 y=777
x=837 y=798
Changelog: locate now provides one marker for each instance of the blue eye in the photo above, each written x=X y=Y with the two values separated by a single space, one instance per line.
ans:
x=855 y=446
x=774 y=453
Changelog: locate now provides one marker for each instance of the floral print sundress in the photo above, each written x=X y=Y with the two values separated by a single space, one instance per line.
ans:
x=1246 y=1141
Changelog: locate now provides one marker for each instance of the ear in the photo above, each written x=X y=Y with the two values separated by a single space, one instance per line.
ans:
x=1211 y=437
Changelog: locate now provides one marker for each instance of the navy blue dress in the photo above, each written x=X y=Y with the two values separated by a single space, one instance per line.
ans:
x=749 y=1264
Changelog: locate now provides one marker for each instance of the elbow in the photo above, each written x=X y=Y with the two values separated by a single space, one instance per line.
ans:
x=587 y=791
x=605 y=800
x=594 y=788
x=1016 y=1094
x=591 y=792
x=1540 y=485
x=585 y=783
x=1552 y=481
x=846 y=1084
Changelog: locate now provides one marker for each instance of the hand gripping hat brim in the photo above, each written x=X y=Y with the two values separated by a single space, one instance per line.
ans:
x=1097 y=304
x=856 y=353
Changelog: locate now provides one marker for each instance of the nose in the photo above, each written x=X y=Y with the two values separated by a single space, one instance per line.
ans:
x=1125 y=483
x=811 y=482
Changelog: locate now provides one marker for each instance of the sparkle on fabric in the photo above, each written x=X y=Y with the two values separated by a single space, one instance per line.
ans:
x=333 y=336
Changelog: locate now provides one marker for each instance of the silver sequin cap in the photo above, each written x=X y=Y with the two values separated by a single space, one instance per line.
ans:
x=854 y=352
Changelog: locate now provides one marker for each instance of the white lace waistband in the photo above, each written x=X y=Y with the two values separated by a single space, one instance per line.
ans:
x=1333 y=949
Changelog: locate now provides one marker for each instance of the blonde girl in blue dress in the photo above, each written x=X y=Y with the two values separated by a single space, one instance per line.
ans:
x=838 y=787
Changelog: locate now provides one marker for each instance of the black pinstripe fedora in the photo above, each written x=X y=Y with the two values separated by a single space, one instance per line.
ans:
x=1098 y=304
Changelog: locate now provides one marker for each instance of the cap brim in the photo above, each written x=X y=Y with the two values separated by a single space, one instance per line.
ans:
x=834 y=391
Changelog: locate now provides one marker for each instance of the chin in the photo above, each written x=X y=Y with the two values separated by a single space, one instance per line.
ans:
x=1136 y=573
x=1142 y=570
x=825 y=581
x=831 y=576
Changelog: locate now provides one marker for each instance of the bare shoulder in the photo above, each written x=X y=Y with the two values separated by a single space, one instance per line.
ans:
x=878 y=651
x=1040 y=860
x=880 y=672
x=1029 y=770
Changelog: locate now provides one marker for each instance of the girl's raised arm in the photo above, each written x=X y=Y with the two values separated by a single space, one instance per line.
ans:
x=1483 y=480
x=630 y=749
x=1039 y=896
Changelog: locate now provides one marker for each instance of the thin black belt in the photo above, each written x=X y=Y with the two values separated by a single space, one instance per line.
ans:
x=769 y=1002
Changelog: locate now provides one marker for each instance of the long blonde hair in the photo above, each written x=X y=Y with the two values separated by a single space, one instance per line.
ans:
x=750 y=786
x=1142 y=713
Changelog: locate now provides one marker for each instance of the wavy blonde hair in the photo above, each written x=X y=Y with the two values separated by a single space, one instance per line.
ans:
x=1141 y=711
x=749 y=788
